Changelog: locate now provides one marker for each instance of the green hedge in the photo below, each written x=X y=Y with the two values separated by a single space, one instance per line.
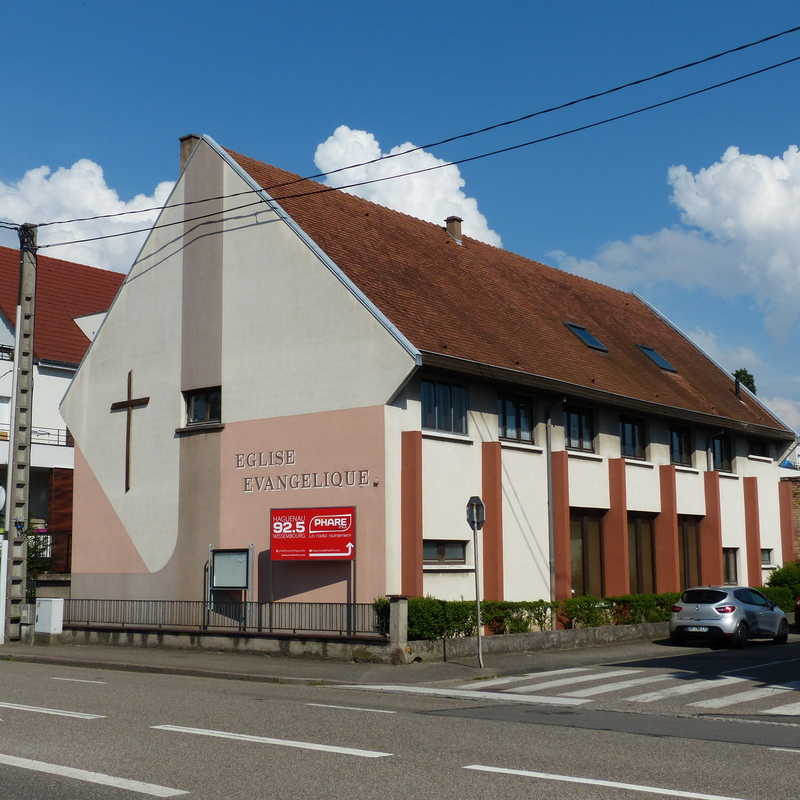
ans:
x=787 y=577
x=780 y=595
x=429 y=618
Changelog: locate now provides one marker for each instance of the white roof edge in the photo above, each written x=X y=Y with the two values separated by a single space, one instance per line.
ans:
x=352 y=287
x=716 y=363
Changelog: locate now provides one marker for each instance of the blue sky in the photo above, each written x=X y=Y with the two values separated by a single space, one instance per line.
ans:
x=117 y=84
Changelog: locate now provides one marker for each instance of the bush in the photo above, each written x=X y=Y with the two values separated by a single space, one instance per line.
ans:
x=789 y=576
x=780 y=595
x=586 y=612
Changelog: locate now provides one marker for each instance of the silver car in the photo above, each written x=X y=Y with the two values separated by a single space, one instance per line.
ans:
x=732 y=613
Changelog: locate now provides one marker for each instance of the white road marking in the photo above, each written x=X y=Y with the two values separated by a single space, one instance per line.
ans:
x=746 y=696
x=76 y=680
x=352 y=708
x=761 y=666
x=55 y=711
x=784 y=750
x=633 y=787
x=595 y=676
x=466 y=694
x=244 y=737
x=517 y=678
x=614 y=687
x=686 y=688
x=789 y=710
x=152 y=789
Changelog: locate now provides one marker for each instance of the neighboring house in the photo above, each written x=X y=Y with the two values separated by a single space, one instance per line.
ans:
x=326 y=352
x=65 y=291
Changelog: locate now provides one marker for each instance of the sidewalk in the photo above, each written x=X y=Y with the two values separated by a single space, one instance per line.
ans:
x=275 y=669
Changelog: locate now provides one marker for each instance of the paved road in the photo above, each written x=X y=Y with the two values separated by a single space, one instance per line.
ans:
x=89 y=733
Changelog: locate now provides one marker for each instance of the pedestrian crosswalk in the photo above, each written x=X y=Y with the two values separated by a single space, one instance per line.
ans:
x=698 y=694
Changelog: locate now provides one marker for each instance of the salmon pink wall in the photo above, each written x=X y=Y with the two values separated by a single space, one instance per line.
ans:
x=297 y=462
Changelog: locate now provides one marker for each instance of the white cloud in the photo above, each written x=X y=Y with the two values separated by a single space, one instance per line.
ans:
x=730 y=357
x=431 y=196
x=787 y=409
x=740 y=235
x=79 y=191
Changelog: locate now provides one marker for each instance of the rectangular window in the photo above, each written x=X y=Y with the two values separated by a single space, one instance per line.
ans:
x=730 y=565
x=579 y=428
x=587 y=337
x=720 y=447
x=203 y=405
x=689 y=547
x=516 y=419
x=632 y=438
x=444 y=551
x=766 y=557
x=444 y=407
x=657 y=358
x=641 y=551
x=759 y=447
x=680 y=446
x=586 y=549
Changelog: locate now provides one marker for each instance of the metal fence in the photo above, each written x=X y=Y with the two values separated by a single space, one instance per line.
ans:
x=344 y=619
x=60 y=437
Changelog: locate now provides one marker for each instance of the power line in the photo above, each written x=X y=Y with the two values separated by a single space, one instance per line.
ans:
x=508 y=149
x=449 y=139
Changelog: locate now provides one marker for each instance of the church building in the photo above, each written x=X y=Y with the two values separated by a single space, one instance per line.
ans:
x=285 y=362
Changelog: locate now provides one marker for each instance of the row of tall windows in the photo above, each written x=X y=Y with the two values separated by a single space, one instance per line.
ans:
x=444 y=408
x=586 y=550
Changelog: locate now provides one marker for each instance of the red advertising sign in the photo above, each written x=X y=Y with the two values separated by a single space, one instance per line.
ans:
x=313 y=534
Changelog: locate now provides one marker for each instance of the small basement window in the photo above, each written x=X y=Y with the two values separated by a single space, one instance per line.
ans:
x=589 y=339
x=203 y=405
x=657 y=358
x=444 y=551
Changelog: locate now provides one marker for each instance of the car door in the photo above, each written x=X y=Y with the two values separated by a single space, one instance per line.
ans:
x=767 y=618
x=750 y=611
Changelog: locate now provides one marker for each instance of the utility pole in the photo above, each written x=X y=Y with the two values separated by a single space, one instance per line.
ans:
x=19 y=460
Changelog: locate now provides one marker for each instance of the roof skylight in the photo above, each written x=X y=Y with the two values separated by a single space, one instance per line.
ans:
x=589 y=339
x=657 y=358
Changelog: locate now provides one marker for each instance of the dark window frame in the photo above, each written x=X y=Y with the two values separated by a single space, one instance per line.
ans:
x=725 y=462
x=640 y=454
x=770 y=551
x=440 y=415
x=584 y=516
x=586 y=336
x=206 y=393
x=687 y=440
x=688 y=541
x=758 y=447
x=519 y=403
x=441 y=548
x=641 y=574
x=733 y=553
x=583 y=413
x=659 y=360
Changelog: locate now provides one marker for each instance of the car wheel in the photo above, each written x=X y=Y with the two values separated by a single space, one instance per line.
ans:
x=740 y=635
x=676 y=638
x=783 y=633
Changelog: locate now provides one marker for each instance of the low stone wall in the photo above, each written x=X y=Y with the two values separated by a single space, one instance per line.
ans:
x=539 y=640
x=364 y=649
x=369 y=649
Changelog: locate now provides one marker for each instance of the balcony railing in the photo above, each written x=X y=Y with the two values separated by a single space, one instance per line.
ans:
x=60 y=437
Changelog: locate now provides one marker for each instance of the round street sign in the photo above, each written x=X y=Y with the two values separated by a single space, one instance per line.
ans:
x=476 y=513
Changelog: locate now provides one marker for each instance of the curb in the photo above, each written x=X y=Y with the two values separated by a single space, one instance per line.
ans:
x=121 y=666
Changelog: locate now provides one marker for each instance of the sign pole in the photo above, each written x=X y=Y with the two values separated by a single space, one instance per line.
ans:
x=476 y=516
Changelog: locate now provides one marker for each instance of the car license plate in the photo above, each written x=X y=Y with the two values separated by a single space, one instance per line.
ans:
x=697 y=629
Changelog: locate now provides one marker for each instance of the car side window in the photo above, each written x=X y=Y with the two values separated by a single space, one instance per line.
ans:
x=759 y=599
x=743 y=596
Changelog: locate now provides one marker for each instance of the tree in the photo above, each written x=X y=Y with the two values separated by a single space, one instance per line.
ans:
x=746 y=378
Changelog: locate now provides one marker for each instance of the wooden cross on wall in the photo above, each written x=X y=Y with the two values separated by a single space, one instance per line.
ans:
x=128 y=406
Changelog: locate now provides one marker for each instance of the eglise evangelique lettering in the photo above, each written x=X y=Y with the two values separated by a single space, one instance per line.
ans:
x=267 y=459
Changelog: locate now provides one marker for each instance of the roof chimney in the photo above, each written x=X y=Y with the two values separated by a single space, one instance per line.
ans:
x=454 y=228
x=188 y=143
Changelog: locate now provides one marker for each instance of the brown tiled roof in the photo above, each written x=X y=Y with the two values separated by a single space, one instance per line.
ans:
x=491 y=306
x=64 y=290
